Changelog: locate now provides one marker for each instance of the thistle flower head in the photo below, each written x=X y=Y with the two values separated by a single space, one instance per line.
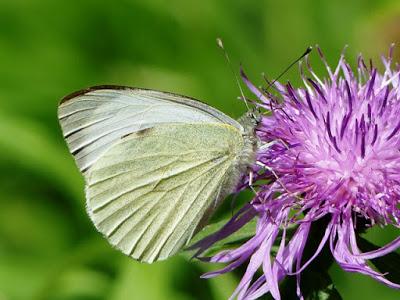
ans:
x=330 y=149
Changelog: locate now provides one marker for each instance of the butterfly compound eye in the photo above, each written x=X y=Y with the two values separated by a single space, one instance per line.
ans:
x=255 y=115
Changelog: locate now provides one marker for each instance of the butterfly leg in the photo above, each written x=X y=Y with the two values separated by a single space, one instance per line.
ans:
x=251 y=178
x=269 y=144
x=268 y=168
x=251 y=181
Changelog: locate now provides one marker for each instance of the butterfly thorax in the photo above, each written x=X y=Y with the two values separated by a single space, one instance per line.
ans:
x=247 y=156
x=249 y=122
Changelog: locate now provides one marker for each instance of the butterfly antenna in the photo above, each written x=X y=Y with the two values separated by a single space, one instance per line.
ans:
x=221 y=45
x=270 y=84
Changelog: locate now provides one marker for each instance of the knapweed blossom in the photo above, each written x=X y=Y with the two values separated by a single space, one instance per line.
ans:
x=331 y=150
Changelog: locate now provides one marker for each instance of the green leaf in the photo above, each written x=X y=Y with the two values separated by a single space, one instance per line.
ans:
x=389 y=263
x=315 y=285
x=245 y=232
x=323 y=288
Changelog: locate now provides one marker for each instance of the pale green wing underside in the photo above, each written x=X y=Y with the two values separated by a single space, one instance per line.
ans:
x=148 y=193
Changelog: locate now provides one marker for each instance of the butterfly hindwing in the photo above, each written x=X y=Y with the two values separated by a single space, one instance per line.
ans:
x=148 y=192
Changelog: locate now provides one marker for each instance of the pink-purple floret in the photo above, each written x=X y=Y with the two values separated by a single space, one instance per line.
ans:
x=333 y=151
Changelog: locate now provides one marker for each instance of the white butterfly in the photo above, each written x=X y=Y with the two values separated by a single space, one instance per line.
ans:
x=156 y=164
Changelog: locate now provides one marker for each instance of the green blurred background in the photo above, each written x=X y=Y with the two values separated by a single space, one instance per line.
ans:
x=48 y=248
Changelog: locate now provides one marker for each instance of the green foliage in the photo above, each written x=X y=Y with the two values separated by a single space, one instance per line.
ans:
x=388 y=264
x=316 y=285
x=48 y=248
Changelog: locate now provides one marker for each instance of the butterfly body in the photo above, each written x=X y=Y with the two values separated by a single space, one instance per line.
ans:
x=156 y=164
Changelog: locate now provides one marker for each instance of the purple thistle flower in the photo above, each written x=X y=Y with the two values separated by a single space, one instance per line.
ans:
x=331 y=150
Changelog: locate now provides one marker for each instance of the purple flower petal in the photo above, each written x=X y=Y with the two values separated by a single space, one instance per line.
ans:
x=390 y=247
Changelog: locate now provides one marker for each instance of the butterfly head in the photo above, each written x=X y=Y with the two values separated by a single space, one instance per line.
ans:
x=254 y=116
x=250 y=120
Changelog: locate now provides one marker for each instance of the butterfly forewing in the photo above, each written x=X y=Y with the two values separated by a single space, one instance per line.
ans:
x=94 y=119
